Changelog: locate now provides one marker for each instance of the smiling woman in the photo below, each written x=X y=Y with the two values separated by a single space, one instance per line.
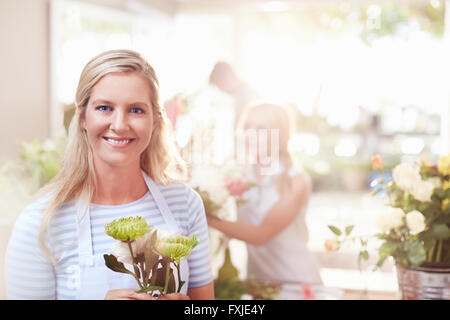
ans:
x=118 y=162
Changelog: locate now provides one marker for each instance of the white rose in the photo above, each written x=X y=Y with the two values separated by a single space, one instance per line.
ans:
x=387 y=220
x=422 y=190
x=406 y=175
x=415 y=222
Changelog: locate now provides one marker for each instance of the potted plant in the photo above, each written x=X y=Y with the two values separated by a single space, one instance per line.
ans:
x=415 y=228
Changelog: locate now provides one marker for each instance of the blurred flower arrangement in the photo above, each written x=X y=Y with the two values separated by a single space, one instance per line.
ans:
x=221 y=189
x=415 y=227
x=150 y=253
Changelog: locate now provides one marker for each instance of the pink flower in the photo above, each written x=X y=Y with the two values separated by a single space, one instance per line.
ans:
x=377 y=162
x=332 y=245
x=236 y=187
x=307 y=293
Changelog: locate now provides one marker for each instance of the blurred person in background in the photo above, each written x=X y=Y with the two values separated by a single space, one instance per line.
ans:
x=272 y=220
x=118 y=162
x=224 y=77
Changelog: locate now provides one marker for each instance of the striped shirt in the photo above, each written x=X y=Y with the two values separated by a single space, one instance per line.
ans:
x=30 y=275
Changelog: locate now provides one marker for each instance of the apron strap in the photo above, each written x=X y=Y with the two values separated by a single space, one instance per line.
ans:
x=161 y=203
x=85 y=252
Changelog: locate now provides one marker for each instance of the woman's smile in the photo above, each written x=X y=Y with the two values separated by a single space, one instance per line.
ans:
x=119 y=142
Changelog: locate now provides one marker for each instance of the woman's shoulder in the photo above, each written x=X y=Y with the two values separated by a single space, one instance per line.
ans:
x=36 y=207
x=179 y=187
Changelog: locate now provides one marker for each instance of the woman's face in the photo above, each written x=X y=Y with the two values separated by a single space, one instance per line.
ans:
x=119 y=119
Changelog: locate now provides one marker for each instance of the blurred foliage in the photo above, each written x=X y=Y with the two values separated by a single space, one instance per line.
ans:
x=262 y=290
x=370 y=20
x=75 y=25
x=41 y=161
x=227 y=285
x=37 y=163
x=228 y=289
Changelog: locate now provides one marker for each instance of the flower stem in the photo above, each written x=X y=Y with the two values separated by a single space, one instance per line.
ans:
x=439 y=251
x=166 y=284
x=430 y=254
x=179 y=277
x=136 y=270
x=385 y=186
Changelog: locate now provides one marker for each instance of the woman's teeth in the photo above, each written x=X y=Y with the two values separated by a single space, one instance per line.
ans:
x=118 y=141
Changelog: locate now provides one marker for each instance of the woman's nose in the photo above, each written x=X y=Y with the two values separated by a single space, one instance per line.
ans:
x=119 y=122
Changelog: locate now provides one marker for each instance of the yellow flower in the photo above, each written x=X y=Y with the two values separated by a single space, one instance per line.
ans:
x=444 y=165
x=446 y=185
x=176 y=247
x=127 y=229
x=445 y=204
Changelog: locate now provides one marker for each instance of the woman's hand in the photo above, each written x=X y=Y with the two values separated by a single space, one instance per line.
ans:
x=174 y=296
x=130 y=294
x=127 y=294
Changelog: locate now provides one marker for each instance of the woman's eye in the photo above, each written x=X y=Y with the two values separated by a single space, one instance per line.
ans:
x=103 y=108
x=137 y=110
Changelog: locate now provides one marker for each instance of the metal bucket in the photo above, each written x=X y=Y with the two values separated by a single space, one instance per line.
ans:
x=424 y=283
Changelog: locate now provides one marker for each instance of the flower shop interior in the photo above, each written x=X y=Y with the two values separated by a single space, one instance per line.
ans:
x=364 y=78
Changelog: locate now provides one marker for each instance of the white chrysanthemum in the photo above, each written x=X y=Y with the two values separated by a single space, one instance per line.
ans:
x=121 y=251
x=415 y=222
x=390 y=219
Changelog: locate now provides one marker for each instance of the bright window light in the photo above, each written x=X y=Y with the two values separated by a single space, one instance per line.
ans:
x=412 y=145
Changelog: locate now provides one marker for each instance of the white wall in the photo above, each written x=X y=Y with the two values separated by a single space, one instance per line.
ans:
x=24 y=85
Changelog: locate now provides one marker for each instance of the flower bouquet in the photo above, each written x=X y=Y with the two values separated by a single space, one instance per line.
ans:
x=415 y=228
x=149 y=253
x=221 y=190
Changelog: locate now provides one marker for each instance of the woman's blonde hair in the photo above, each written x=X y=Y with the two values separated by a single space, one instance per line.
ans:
x=279 y=117
x=76 y=178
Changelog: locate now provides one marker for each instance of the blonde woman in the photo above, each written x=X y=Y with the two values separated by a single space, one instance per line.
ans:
x=118 y=162
x=272 y=221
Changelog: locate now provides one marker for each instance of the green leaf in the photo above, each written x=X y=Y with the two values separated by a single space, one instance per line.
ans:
x=376 y=191
x=161 y=276
x=335 y=230
x=387 y=249
x=364 y=255
x=349 y=229
x=416 y=253
x=113 y=264
x=440 y=231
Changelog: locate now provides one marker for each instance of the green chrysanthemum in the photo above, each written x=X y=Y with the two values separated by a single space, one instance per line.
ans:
x=127 y=229
x=177 y=247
